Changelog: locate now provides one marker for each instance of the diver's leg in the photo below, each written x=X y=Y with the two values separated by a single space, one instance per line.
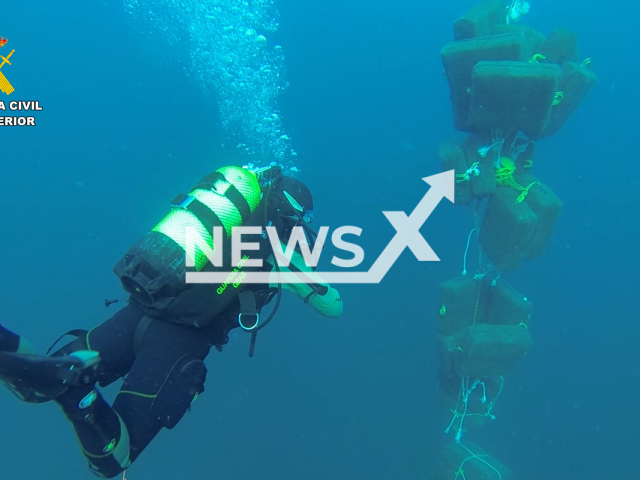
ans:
x=167 y=375
x=114 y=340
x=166 y=378
x=102 y=355
x=12 y=342
x=100 y=430
x=9 y=341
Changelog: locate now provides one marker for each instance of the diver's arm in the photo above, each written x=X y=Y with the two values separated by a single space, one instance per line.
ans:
x=319 y=294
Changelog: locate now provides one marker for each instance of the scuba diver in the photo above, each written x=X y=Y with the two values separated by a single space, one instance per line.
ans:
x=159 y=340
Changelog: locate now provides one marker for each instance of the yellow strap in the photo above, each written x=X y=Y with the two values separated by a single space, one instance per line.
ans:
x=537 y=57
x=523 y=195
x=557 y=98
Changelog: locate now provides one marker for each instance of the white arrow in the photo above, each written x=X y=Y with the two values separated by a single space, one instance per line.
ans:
x=407 y=235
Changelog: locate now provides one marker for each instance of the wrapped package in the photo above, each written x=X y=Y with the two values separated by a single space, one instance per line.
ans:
x=459 y=59
x=507 y=306
x=481 y=20
x=575 y=83
x=483 y=350
x=462 y=303
x=560 y=46
x=513 y=96
x=518 y=223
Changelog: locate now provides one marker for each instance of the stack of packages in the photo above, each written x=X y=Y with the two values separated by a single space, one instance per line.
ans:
x=510 y=86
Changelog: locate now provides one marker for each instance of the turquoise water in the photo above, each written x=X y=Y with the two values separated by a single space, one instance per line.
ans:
x=141 y=99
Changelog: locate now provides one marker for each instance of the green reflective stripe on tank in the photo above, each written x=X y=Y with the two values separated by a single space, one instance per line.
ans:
x=228 y=209
x=224 y=208
x=175 y=225
x=232 y=193
x=245 y=182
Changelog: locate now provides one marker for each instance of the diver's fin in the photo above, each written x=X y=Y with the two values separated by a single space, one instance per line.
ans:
x=39 y=378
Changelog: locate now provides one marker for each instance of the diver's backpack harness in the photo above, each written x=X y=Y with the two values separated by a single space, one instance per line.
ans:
x=153 y=270
x=207 y=217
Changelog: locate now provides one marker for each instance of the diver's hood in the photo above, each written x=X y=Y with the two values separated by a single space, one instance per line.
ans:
x=293 y=198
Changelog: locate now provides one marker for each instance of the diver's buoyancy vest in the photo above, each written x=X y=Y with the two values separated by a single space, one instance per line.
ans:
x=199 y=304
x=153 y=270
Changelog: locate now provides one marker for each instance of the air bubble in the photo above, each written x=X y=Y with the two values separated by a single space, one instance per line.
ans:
x=226 y=40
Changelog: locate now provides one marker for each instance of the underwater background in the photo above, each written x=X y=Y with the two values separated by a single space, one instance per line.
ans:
x=132 y=117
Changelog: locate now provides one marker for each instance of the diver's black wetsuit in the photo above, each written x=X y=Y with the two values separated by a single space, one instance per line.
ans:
x=9 y=341
x=162 y=362
x=163 y=370
x=159 y=353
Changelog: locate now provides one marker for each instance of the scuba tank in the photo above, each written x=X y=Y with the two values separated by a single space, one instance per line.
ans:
x=153 y=270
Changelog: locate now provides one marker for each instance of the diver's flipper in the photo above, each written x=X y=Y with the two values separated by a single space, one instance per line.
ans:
x=39 y=378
